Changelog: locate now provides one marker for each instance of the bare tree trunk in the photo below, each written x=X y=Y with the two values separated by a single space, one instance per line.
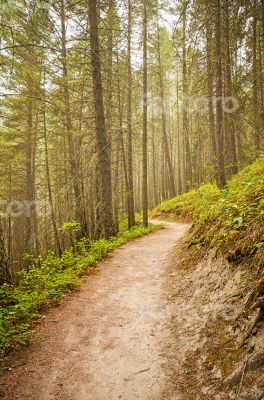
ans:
x=219 y=95
x=154 y=180
x=229 y=117
x=121 y=141
x=109 y=100
x=261 y=82
x=34 y=209
x=4 y=271
x=163 y=171
x=262 y=22
x=164 y=128
x=116 y=193
x=51 y=205
x=114 y=152
x=145 y=122
x=255 y=80
x=210 y=76
x=131 y=206
x=104 y=166
x=179 y=147
x=261 y=55
x=30 y=181
x=10 y=236
x=74 y=151
x=187 y=150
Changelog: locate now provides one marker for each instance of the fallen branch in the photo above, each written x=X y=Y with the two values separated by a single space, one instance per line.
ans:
x=253 y=322
x=253 y=362
x=242 y=378
x=143 y=370
x=12 y=367
x=259 y=304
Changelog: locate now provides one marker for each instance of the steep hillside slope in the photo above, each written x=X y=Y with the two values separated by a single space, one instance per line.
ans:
x=223 y=257
x=228 y=222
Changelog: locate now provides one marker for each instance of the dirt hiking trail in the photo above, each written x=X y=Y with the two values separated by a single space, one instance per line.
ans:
x=104 y=341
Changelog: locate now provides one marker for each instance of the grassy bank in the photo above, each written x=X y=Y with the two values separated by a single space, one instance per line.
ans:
x=228 y=222
x=47 y=280
x=188 y=206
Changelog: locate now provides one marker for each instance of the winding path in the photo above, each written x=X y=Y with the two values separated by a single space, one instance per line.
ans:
x=104 y=342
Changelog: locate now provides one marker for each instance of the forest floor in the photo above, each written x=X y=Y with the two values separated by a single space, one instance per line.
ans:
x=117 y=337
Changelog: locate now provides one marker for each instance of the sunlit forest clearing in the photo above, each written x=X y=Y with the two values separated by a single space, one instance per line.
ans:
x=132 y=182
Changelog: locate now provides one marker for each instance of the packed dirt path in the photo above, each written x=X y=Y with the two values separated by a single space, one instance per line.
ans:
x=104 y=341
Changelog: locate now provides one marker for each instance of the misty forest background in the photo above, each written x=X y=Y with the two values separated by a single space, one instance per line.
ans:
x=108 y=108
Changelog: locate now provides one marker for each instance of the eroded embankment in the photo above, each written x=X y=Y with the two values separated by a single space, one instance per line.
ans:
x=218 y=354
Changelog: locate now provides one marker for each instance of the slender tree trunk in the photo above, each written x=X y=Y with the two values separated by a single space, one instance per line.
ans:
x=121 y=140
x=105 y=187
x=261 y=57
x=229 y=117
x=74 y=151
x=114 y=150
x=4 y=270
x=262 y=22
x=219 y=95
x=116 y=193
x=34 y=209
x=179 y=147
x=154 y=160
x=10 y=236
x=163 y=171
x=260 y=47
x=255 y=80
x=109 y=101
x=145 y=122
x=187 y=150
x=131 y=206
x=210 y=91
x=30 y=181
x=164 y=127
x=51 y=205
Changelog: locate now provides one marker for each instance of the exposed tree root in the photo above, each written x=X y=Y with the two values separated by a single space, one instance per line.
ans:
x=253 y=362
x=253 y=322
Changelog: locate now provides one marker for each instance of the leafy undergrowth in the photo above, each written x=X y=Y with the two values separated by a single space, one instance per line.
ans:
x=230 y=222
x=188 y=206
x=47 y=280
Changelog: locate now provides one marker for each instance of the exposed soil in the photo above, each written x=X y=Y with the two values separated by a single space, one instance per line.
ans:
x=208 y=318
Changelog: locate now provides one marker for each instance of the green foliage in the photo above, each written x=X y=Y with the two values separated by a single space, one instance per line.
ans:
x=72 y=226
x=47 y=280
x=234 y=225
x=189 y=205
x=228 y=222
